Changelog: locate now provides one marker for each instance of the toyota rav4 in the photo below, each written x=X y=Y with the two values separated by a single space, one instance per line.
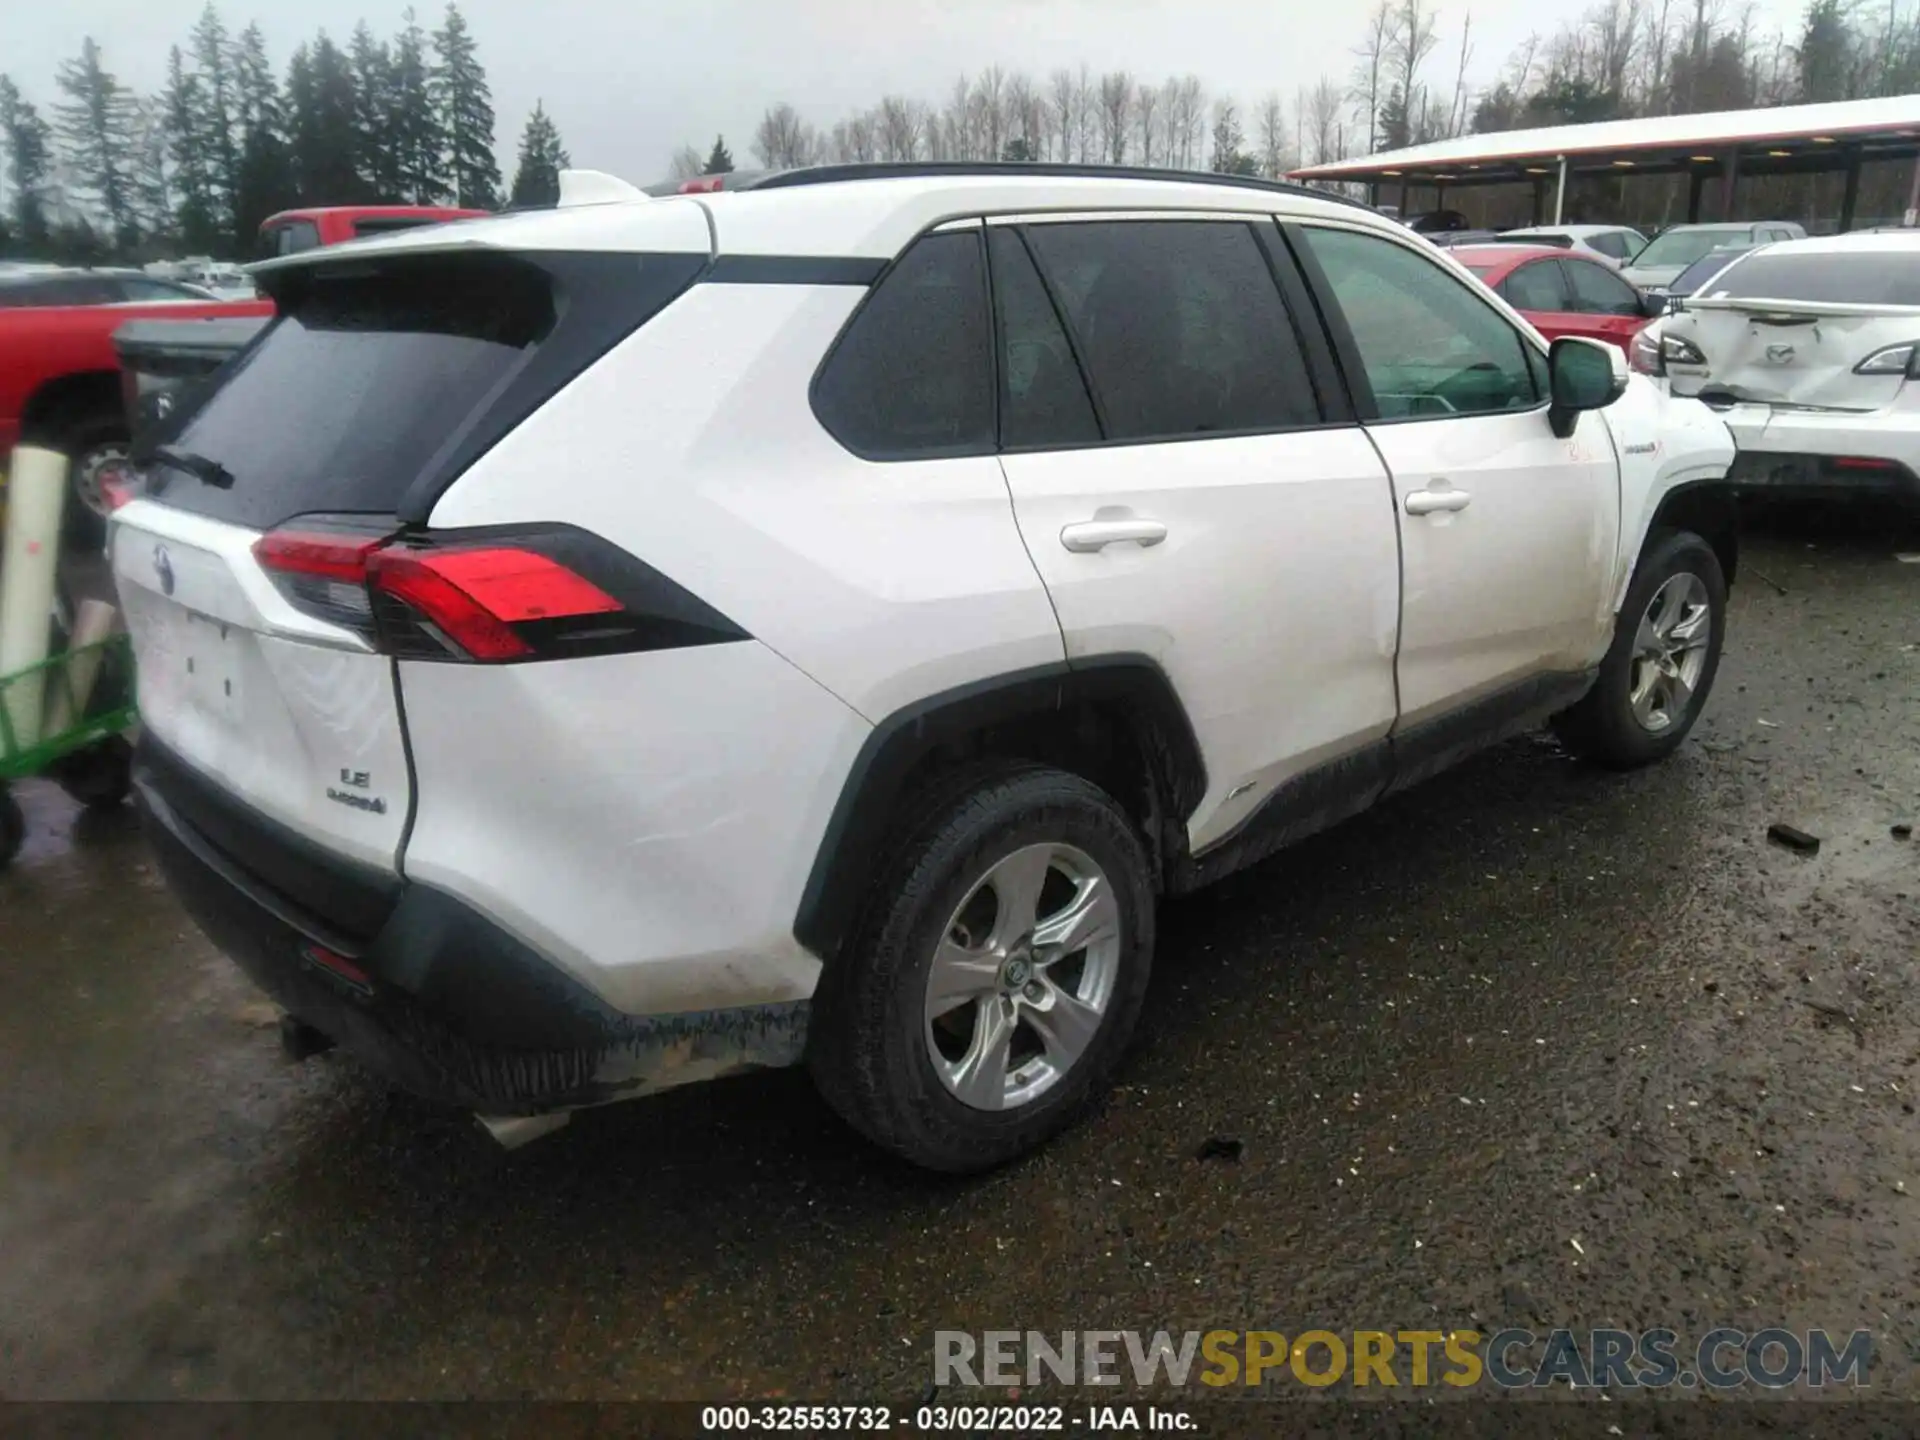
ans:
x=588 y=651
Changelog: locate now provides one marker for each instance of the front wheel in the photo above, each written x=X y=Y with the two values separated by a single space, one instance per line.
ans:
x=1658 y=672
x=999 y=972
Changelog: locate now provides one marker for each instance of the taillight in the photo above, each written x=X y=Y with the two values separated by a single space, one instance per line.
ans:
x=483 y=598
x=1643 y=354
x=705 y=185
x=1893 y=360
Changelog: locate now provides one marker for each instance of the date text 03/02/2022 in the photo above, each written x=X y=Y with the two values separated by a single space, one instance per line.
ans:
x=943 y=1419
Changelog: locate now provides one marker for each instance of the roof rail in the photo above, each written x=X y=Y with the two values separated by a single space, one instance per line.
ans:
x=834 y=174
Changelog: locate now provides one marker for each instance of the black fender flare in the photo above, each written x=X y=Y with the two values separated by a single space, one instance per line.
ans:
x=852 y=844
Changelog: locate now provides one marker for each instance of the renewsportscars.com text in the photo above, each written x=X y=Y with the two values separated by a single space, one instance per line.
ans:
x=1722 y=1359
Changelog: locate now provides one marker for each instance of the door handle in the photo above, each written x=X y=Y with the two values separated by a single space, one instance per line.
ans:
x=1091 y=535
x=1440 y=496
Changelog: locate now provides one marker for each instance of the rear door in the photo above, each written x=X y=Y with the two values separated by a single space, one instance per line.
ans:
x=1538 y=290
x=1189 y=495
x=1609 y=309
x=368 y=385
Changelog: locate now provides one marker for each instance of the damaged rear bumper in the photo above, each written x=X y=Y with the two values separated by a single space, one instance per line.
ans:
x=414 y=983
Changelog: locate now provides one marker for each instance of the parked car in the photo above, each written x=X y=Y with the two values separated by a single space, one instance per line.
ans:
x=1809 y=349
x=93 y=287
x=1457 y=239
x=549 y=719
x=1615 y=244
x=292 y=231
x=60 y=383
x=1697 y=275
x=1562 y=292
x=1673 y=250
x=1436 y=222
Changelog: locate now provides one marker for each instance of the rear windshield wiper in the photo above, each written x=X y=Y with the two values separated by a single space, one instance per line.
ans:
x=208 y=472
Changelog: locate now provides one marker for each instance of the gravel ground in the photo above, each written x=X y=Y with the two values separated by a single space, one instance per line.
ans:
x=1524 y=1006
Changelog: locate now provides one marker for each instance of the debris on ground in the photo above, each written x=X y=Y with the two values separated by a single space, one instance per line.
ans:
x=1903 y=831
x=1220 y=1147
x=1794 y=838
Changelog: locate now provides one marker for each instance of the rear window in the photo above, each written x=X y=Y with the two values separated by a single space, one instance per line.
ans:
x=372 y=379
x=1833 y=277
x=289 y=238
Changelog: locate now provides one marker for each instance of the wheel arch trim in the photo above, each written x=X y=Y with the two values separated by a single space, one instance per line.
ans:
x=878 y=778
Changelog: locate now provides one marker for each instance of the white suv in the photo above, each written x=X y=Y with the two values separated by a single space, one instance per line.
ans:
x=588 y=651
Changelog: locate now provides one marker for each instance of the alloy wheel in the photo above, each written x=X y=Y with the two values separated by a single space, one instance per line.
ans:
x=1670 y=652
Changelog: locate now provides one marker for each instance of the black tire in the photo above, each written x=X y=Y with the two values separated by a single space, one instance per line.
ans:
x=13 y=827
x=1603 y=728
x=868 y=1044
x=82 y=441
x=99 y=777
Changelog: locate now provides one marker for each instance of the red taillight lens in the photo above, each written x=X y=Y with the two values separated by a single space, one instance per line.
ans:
x=1861 y=462
x=480 y=602
x=705 y=185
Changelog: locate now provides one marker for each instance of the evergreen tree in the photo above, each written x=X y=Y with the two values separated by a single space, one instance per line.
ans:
x=320 y=98
x=28 y=140
x=465 y=107
x=415 y=134
x=95 y=127
x=266 y=181
x=376 y=156
x=719 y=159
x=536 y=180
x=212 y=63
x=1825 y=54
x=196 y=218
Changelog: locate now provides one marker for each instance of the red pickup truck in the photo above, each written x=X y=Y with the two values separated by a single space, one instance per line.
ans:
x=60 y=381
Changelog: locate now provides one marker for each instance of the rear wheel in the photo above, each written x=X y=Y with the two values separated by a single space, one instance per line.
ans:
x=1666 y=650
x=95 y=446
x=996 y=980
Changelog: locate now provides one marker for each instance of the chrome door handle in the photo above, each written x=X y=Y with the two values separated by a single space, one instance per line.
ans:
x=1091 y=535
x=1442 y=497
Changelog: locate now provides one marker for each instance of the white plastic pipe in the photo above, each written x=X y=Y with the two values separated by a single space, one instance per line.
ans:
x=36 y=492
x=93 y=624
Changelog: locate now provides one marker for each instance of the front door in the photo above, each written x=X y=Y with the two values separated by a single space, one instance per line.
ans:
x=1185 y=499
x=1508 y=533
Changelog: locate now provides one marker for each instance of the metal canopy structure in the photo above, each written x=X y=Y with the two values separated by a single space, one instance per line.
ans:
x=1719 y=147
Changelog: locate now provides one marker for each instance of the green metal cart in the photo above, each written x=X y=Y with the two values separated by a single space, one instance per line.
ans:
x=88 y=758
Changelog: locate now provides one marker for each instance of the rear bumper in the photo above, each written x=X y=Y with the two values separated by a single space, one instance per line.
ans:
x=420 y=987
x=1825 y=452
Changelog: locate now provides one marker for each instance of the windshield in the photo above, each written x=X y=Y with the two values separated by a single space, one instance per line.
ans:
x=1832 y=277
x=1683 y=247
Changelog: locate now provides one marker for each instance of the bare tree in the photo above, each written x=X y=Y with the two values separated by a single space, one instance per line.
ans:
x=1457 y=112
x=1418 y=34
x=988 y=110
x=1065 y=121
x=1147 y=114
x=1086 y=108
x=855 y=140
x=1325 y=139
x=898 y=125
x=1116 y=111
x=783 y=140
x=1272 y=136
x=1370 y=71
x=1186 y=104
x=687 y=163
x=1026 y=116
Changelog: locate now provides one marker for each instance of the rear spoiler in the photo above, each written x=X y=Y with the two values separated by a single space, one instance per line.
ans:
x=1762 y=305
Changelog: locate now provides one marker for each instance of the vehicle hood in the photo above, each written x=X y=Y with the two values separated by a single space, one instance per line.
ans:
x=1790 y=352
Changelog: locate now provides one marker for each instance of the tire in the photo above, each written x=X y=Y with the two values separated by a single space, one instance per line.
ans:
x=1677 y=567
x=897 y=1073
x=13 y=827
x=88 y=442
x=99 y=777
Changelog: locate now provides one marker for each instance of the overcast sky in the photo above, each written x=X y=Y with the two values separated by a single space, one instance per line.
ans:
x=629 y=81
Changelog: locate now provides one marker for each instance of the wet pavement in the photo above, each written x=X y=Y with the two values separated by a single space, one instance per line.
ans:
x=1524 y=1006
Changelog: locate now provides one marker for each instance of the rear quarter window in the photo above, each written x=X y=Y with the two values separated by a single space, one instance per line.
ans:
x=911 y=377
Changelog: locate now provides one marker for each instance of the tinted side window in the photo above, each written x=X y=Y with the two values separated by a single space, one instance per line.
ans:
x=289 y=239
x=1612 y=244
x=912 y=376
x=1535 y=287
x=136 y=289
x=1180 y=324
x=1429 y=346
x=1043 y=396
x=1598 y=291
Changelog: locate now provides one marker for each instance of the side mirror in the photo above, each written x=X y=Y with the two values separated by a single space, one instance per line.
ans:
x=1586 y=375
x=1653 y=306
